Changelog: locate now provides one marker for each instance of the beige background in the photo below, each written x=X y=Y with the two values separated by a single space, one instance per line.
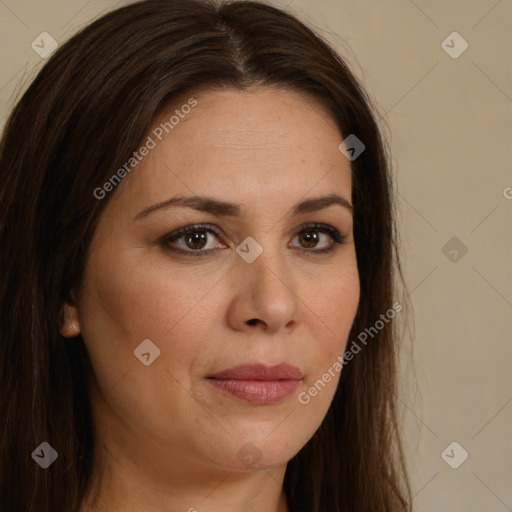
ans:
x=449 y=123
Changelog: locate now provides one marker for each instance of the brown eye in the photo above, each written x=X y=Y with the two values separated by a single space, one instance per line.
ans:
x=192 y=240
x=309 y=239
x=316 y=237
x=196 y=240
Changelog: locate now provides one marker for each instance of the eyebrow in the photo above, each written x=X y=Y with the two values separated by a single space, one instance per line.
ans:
x=225 y=209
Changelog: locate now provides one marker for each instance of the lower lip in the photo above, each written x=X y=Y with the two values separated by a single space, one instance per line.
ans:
x=256 y=391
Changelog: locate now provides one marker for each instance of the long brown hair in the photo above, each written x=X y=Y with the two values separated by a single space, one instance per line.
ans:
x=83 y=115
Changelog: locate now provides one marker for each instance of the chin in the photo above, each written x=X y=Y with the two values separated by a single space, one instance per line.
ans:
x=258 y=452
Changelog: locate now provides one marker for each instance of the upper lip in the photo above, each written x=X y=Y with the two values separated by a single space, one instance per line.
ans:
x=259 y=371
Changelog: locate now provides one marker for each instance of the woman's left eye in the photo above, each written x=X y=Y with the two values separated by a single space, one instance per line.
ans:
x=194 y=240
x=312 y=236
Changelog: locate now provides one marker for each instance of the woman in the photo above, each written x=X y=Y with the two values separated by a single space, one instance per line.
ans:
x=186 y=323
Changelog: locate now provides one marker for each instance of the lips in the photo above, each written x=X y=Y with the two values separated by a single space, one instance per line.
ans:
x=260 y=372
x=258 y=383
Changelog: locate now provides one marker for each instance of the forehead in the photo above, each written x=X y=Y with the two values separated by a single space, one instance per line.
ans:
x=256 y=146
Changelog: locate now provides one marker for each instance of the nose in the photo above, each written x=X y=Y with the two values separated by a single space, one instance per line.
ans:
x=265 y=295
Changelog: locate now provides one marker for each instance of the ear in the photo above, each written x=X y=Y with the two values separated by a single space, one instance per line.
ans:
x=71 y=324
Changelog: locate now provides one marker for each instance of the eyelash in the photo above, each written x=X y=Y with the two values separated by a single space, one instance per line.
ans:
x=336 y=236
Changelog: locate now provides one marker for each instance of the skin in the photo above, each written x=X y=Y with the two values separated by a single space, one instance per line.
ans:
x=166 y=439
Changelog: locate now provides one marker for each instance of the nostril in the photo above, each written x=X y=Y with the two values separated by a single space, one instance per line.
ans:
x=253 y=321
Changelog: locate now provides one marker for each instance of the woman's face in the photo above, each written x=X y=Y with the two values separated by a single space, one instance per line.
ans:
x=159 y=320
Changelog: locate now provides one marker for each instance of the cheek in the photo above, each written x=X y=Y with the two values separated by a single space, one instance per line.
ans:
x=345 y=307
x=125 y=303
x=149 y=300
x=331 y=315
x=341 y=295
x=330 y=319
x=335 y=302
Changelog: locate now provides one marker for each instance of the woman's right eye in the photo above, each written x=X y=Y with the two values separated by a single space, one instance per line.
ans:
x=192 y=240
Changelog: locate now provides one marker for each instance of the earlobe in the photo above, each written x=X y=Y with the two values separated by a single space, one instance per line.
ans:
x=71 y=325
